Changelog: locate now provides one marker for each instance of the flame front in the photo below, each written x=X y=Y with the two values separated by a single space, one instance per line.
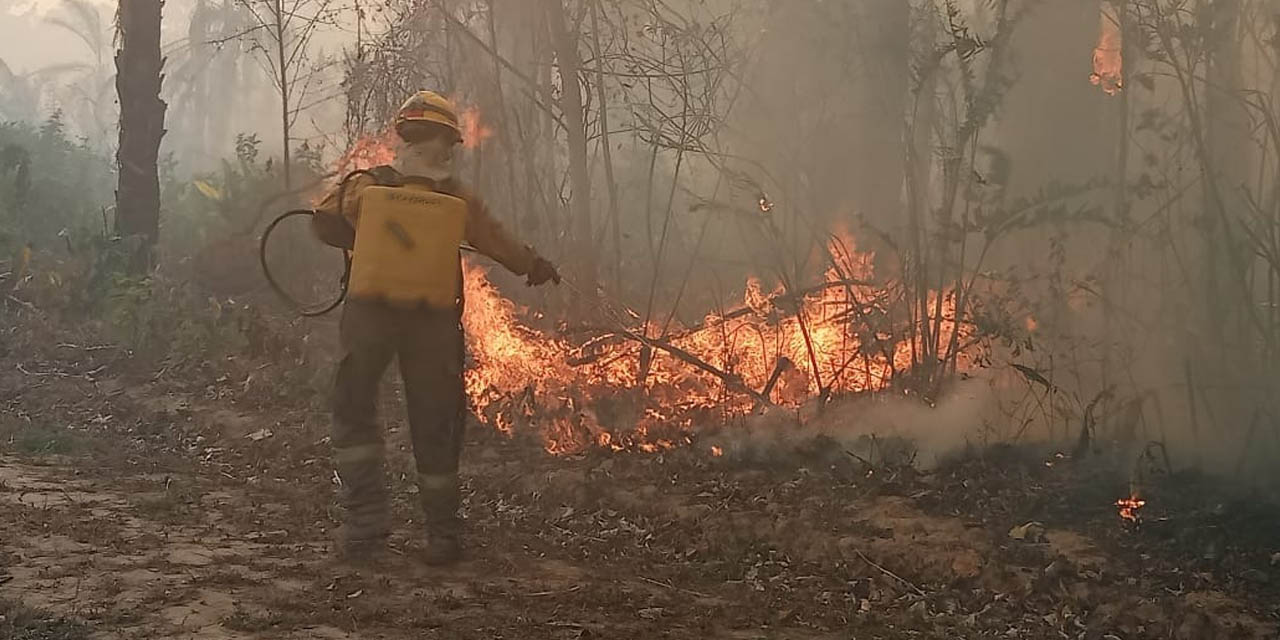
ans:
x=618 y=392
x=1108 y=56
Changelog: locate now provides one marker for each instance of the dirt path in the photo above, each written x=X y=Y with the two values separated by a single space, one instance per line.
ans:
x=605 y=547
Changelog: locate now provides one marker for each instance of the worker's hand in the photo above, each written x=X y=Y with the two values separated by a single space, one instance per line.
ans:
x=541 y=272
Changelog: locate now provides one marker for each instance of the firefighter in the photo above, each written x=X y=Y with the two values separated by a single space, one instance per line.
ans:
x=404 y=225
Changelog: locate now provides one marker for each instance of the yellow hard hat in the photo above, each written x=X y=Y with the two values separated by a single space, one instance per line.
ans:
x=429 y=106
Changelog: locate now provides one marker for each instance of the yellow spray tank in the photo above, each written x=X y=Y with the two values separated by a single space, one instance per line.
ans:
x=406 y=246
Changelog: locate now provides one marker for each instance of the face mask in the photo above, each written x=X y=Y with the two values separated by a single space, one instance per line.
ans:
x=431 y=158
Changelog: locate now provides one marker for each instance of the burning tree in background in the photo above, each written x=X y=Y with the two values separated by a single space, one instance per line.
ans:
x=1216 y=226
x=1108 y=56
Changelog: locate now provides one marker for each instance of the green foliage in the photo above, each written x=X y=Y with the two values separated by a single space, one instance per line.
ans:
x=233 y=201
x=214 y=204
x=49 y=184
x=79 y=270
x=44 y=440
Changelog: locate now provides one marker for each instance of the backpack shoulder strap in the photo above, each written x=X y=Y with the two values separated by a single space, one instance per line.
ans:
x=387 y=176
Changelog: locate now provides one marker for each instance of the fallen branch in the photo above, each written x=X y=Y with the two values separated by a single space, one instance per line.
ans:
x=555 y=592
x=99 y=347
x=28 y=305
x=782 y=365
x=40 y=374
x=674 y=588
x=891 y=574
x=730 y=380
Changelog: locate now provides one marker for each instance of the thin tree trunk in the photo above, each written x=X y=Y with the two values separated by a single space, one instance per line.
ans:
x=1115 y=283
x=606 y=153
x=917 y=174
x=888 y=32
x=504 y=131
x=565 y=43
x=1228 y=149
x=283 y=70
x=138 y=79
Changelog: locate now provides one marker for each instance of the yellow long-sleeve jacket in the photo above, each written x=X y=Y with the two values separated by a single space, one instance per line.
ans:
x=482 y=231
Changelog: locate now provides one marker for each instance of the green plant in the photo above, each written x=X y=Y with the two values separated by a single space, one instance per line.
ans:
x=37 y=167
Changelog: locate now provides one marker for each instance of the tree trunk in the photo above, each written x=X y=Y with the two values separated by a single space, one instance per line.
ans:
x=138 y=78
x=283 y=70
x=565 y=43
x=1227 y=300
x=606 y=152
x=889 y=59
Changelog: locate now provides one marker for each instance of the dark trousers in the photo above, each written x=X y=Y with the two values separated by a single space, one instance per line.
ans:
x=428 y=343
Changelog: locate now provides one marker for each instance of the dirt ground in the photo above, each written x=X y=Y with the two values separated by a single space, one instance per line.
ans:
x=165 y=500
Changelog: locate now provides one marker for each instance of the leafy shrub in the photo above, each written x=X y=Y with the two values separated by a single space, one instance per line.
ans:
x=50 y=185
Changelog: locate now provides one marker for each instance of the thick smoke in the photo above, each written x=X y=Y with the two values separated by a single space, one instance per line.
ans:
x=881 y=430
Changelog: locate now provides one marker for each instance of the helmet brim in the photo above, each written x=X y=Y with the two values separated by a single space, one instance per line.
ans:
x=428 y=126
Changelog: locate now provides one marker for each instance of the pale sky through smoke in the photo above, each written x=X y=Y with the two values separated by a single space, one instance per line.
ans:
x=38 y=8
x=27 y=42
x=30 y=42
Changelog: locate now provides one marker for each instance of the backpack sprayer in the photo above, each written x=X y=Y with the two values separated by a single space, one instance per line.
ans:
x=401 y=245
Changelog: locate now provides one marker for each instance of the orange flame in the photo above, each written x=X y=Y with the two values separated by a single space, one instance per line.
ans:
x=1108 y=56
x=1129 y=508
x=474 y=130
x=372 y=150
x=616 y=393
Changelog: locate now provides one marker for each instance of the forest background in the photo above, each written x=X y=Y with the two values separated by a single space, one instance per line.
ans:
x=1101 y=252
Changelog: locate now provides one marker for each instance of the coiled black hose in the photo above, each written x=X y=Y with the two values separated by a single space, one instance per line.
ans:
x=346 y=254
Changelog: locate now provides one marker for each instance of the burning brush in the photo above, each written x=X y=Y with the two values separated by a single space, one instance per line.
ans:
x=1152 y=463
x=1129 y=508
x=638 y=387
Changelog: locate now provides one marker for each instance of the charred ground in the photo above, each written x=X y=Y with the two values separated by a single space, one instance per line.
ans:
x=167 y=498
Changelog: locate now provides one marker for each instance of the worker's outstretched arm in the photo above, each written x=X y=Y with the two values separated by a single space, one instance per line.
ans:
x=489 y=237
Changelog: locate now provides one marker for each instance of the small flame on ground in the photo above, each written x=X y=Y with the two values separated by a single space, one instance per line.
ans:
x=1129 y=508
x=717 y=451
x=1108 y=56
x=766 y=205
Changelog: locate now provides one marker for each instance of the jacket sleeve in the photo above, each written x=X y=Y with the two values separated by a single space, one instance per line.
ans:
x=489 y=237
x=339 y=230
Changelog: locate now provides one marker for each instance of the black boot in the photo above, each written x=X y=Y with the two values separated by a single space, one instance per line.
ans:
x=440 y=502
x=366 y=505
